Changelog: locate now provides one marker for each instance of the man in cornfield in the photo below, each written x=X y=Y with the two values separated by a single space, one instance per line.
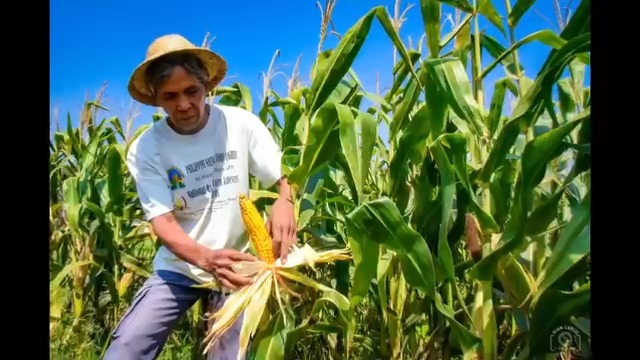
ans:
x=189 y=169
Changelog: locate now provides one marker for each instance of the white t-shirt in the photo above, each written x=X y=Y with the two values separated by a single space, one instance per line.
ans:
x=200 y=176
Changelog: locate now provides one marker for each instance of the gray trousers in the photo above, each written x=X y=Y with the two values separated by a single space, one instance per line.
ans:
x=154 y=312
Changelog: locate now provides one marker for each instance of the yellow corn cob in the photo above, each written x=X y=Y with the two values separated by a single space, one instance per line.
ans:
x=257 y=230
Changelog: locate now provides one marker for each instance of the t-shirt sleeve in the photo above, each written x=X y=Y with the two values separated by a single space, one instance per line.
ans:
x=265 y=155
x=151 y=184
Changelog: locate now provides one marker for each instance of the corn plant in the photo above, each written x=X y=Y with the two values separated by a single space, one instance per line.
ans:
x=99 y=246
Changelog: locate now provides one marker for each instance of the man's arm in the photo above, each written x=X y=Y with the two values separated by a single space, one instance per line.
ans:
x=157 y=204
x=175 y=239
x=284 y=189
x=265 y=156
x=265 y=159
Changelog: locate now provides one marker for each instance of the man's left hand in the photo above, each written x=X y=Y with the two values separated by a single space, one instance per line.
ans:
x=282 y=227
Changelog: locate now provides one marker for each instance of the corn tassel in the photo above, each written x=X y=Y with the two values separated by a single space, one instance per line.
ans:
x=256 y=229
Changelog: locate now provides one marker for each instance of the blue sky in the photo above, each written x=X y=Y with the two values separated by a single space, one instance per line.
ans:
x=97 y=42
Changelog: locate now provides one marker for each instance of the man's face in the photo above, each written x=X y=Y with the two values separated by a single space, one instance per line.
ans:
x=182 y=97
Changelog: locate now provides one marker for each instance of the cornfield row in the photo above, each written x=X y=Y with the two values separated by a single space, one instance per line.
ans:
x=469 y=228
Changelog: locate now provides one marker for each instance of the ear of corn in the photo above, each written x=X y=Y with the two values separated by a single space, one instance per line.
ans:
x=256 y=229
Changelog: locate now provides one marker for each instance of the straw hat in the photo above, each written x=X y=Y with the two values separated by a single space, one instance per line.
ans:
x=215 y=65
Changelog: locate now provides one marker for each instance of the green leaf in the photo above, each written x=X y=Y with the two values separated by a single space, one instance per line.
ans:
x=330 y=72
x=408 y=100
x=463 y=5
x=329 y=296
x=115 y=180
x=448 y=188
x=458 y=30
x=496 y=106
x=139 y=131
x=380 y=221
x=292 y=115
x=531 y=104
x=519 y=9
x=97 y=210
x=500 y=189
x=357 y=137
x=362 y=249
x=497 y=50
x=544 y=214
x=546 y=37
x=437 y=107
x=430 y=10
x=583 y=158
x=467 y=340
x=488 y=322
x=554 y=309
x=245 y=95
x=271 y=344
x=516 y=281
x=573 y=245
x=457 y=143
x=410 y=141
x=400 y=72
x=486 y=8
x=537 y=153
x=72 y=203
x=91 y=154
x=322 y=144
x=454 y=83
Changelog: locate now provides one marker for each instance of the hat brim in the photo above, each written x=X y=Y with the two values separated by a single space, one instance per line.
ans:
x=216 y=67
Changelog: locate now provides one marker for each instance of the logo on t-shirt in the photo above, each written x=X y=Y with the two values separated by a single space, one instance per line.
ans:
x=179 y=203
x=176 y=178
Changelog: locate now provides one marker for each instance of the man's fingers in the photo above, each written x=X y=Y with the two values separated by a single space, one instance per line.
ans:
x=225 y=283
x=294 y=234
x=270 y=231
x=284 y=251
x=289 y=238
x=221 y=276
x=268 y=225
x=277 y=239
x=234 y=278
x=240 y=256
x=246 y=257
x=229 y=256
x=223 y=262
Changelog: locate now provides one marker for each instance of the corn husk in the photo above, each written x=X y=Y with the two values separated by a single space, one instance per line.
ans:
x=252 y=299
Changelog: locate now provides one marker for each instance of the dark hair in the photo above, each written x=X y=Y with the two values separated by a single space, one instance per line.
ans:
x=160 y=69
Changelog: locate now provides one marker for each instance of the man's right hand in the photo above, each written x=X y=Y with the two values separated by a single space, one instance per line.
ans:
x=218 y=263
